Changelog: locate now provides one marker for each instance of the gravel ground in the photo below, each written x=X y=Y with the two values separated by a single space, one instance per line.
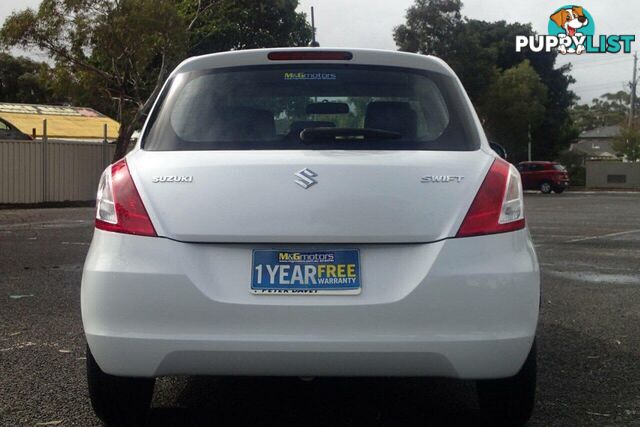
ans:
x=589 y=340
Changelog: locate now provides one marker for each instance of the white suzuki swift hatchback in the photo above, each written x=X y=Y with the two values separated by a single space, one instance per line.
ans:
x=311 y=213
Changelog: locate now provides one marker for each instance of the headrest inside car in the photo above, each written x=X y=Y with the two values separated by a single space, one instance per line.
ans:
x=243 y=123
x=392 y=116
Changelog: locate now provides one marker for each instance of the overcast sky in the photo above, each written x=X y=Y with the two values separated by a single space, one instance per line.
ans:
x=370 y=23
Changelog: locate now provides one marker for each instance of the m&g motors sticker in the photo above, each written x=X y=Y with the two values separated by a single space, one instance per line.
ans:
x=309 y=76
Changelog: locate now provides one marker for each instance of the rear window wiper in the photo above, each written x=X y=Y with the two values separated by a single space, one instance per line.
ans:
x=330 y=134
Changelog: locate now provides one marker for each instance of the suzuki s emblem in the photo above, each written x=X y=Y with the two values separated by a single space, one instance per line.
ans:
x=306 y=178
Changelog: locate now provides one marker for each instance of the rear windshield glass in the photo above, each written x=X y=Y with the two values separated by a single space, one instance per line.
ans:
x=312 y=107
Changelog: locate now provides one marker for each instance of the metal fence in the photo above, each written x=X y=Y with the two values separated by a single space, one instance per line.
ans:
x=619 y=175
x=51 y=170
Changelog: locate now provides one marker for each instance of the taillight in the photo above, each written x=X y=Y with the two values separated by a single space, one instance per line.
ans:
x=498 y=206
x=118 y=205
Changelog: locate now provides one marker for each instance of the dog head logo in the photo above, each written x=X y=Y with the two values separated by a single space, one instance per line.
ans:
x=573 y=22
x=570 y=20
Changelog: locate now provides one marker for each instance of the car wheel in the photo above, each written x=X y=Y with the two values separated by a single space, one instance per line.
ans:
x=118 y=400
x=510 y=401
x=545 y=187
x=558 y=190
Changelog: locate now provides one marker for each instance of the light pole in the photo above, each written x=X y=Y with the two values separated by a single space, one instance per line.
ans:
x=529 y=143
x=633 y=85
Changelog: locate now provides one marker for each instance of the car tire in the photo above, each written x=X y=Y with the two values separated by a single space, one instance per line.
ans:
x=510 y=401
x=545 y=187
x=558 y=190
x=118 y=400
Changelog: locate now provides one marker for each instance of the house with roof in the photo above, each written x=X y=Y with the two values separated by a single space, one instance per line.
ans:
x=597 y=144
x=63 y=122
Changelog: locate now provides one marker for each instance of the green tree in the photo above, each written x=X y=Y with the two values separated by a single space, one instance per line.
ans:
x=221 y=25
x=479 y=52
x=23 y=80
x=627 y=143
x=607 y=110
x=120 y=48
x=515 y=104
x=114 y=55
x=431 y=26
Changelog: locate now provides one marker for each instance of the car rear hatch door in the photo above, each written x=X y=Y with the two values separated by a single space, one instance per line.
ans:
x=308 y=196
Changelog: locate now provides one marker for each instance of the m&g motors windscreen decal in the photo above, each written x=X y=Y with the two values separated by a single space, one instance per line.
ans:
x=299 y=75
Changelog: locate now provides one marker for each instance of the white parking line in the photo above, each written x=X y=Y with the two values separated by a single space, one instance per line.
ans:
x=606 y=192
x=597 y=277
x=570 y=266
x=603 y=236
x=580 y=193
x=61 y=223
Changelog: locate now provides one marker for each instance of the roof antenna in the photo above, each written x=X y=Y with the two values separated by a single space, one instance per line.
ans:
x=314 y=43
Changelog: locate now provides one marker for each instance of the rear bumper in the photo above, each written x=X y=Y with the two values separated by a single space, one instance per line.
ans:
x=463 y=358
x=462 y=308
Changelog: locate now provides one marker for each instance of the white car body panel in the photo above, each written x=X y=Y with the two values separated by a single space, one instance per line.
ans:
x=251 y=196
x=431 y=304
x=156 y=307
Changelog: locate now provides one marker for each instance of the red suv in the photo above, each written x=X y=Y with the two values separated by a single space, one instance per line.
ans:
x=543 y=176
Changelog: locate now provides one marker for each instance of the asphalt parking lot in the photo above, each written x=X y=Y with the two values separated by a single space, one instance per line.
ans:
x=589 y=335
